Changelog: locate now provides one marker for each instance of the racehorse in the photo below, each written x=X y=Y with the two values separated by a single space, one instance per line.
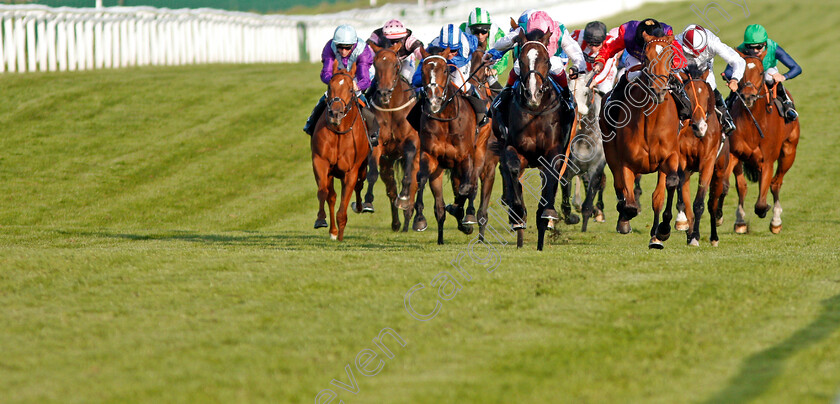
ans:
x=645 y=139
x=700 y=142
x=340 y=150
x=540 y=123
x=762 y=138
x=447 y=141
x=486 y=142
x=398 y=142
x=586 y=160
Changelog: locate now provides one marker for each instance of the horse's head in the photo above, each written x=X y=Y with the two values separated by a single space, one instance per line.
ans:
x=340 y=94
x=584 y=96
x=436 y=78
x=534 y=66
x=702 y=98
x=752 y=84
x=480 y=71
x=387 y=65
x=658 y=57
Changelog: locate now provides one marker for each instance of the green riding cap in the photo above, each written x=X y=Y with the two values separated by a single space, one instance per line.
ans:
x=754 y=34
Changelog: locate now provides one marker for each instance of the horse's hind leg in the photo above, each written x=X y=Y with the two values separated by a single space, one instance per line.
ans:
x=785 y=162
x=348 y=186
x=549 y=194
x=627 y=205
x=412 y=166
x=740 y=214
x=637 y=191
x=488 y=178
x=387 y=171
x=705 y=179
x=409 y=181
x=602 y=185
x=591 y=182
x=577 y=200
x=323 y=180
x=669 y=181
x=456 y=209
x=565 y=205
x=761 y=206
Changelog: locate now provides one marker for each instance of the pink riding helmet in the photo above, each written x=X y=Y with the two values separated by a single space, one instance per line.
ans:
x=394 y=29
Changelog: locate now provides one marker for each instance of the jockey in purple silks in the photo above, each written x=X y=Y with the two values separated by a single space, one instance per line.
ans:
x=345 y=49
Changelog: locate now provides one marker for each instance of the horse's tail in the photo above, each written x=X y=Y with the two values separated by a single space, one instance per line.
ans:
x=751 y=171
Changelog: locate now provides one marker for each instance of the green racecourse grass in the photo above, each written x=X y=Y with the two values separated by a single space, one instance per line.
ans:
x=156 y=244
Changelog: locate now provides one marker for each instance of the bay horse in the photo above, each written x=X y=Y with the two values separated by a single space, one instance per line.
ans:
x=486 y=160
x=586 y=159
x=447 y=141
x=759 y=144
x=399 y=143
x=340 y=150
x=539 y=127
x=645 y=139
x=700 y=144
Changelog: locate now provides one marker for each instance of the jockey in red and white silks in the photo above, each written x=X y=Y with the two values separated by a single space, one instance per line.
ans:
x=591 y=39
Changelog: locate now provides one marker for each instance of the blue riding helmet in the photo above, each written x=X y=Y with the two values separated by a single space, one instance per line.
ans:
x=345 y=35
x=450 y=37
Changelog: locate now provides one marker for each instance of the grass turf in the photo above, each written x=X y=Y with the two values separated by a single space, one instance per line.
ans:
x=156 y=245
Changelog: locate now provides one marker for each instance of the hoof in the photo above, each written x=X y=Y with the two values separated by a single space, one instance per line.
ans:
x=420 y=224
x=694 y=243
x=682 y=222
x=518 y=226
x=572 y=218
x=319 y=223
x=775 y=229
x=655 y=244
x=719 y=221
x=715 y=243
x=761 y=211
x=468 y=229
x=599 y=217
x=469 y=219
x=355 y=207
x=333 y=237
x=550 y=214
x=550 y=224
x=367 y=207
x=740 y=228
x=395 y=226
x=402 y=203
x=623 y=227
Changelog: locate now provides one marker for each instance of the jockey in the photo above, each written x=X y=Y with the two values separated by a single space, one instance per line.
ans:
x=393 y=32
x=480 y=24
x=756 y=42
x=701 y=47
x=561 y=41
x=462 y=45
x=630 y=38
x=591 y=39
x=345 y=49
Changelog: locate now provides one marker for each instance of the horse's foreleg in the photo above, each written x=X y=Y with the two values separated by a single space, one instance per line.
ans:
x=436 y=185
x=387 y=171
x=637 y=191
x=488 y=177
x=372 y=175
x=741 y=185
x=348 y=185
x=511 y=172
x=761 y=206
x=422 y=178
x=565 y=205
x=414 y=167
x=323 y=180
x=706 y=174
x=670 y=177
x=549 y=194
x=591 y=182
x=684 y=216
x=785 y=162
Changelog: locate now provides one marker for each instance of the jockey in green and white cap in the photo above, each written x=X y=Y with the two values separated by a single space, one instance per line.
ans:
x=480 y=24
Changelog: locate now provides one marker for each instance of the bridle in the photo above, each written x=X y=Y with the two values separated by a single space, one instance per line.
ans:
x=433 y=85
x=347 y=106
x=653 y=77
x=546 y=82
x=389 y=91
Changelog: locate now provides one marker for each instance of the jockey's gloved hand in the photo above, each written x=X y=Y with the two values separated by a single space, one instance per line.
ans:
x=598 y=68
x=487 y=58
x=574 y=73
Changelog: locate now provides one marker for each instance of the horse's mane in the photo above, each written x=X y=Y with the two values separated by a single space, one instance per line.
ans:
x=694 y=72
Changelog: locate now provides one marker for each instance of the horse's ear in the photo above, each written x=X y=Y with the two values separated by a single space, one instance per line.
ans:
x=335 y=67
x=423 y=52
x=374 y=47
x=513 y=24
x=705 y=75
x=353 y=70
x=743 y=55
x=521 y=38
x=396 y=47
x=546 y=38
x=647 y=37
x=685 y=76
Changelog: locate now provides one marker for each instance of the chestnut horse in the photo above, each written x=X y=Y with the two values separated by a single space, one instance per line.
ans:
x=447 y=141
x=340 y=149
x=398 y=142
x=700 y=142
x=645 y=139
x=540 y=123
x=758 y=150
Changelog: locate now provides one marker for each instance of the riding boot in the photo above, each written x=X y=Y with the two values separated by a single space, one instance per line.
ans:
x=370 y=121
x=479 y=106
x=309 y=127
x=787 y=104
x=726 y=122
x=371 y=91
x=681 y=98
x=500 y=107
x=413 y=116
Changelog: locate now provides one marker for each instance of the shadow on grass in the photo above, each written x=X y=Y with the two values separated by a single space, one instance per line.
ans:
x=286 y=240
x=759 y=370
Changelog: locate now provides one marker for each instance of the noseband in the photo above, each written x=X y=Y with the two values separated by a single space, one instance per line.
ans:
x=347 y=106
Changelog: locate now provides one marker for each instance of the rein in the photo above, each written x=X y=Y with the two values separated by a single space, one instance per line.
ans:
x=348 y=107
